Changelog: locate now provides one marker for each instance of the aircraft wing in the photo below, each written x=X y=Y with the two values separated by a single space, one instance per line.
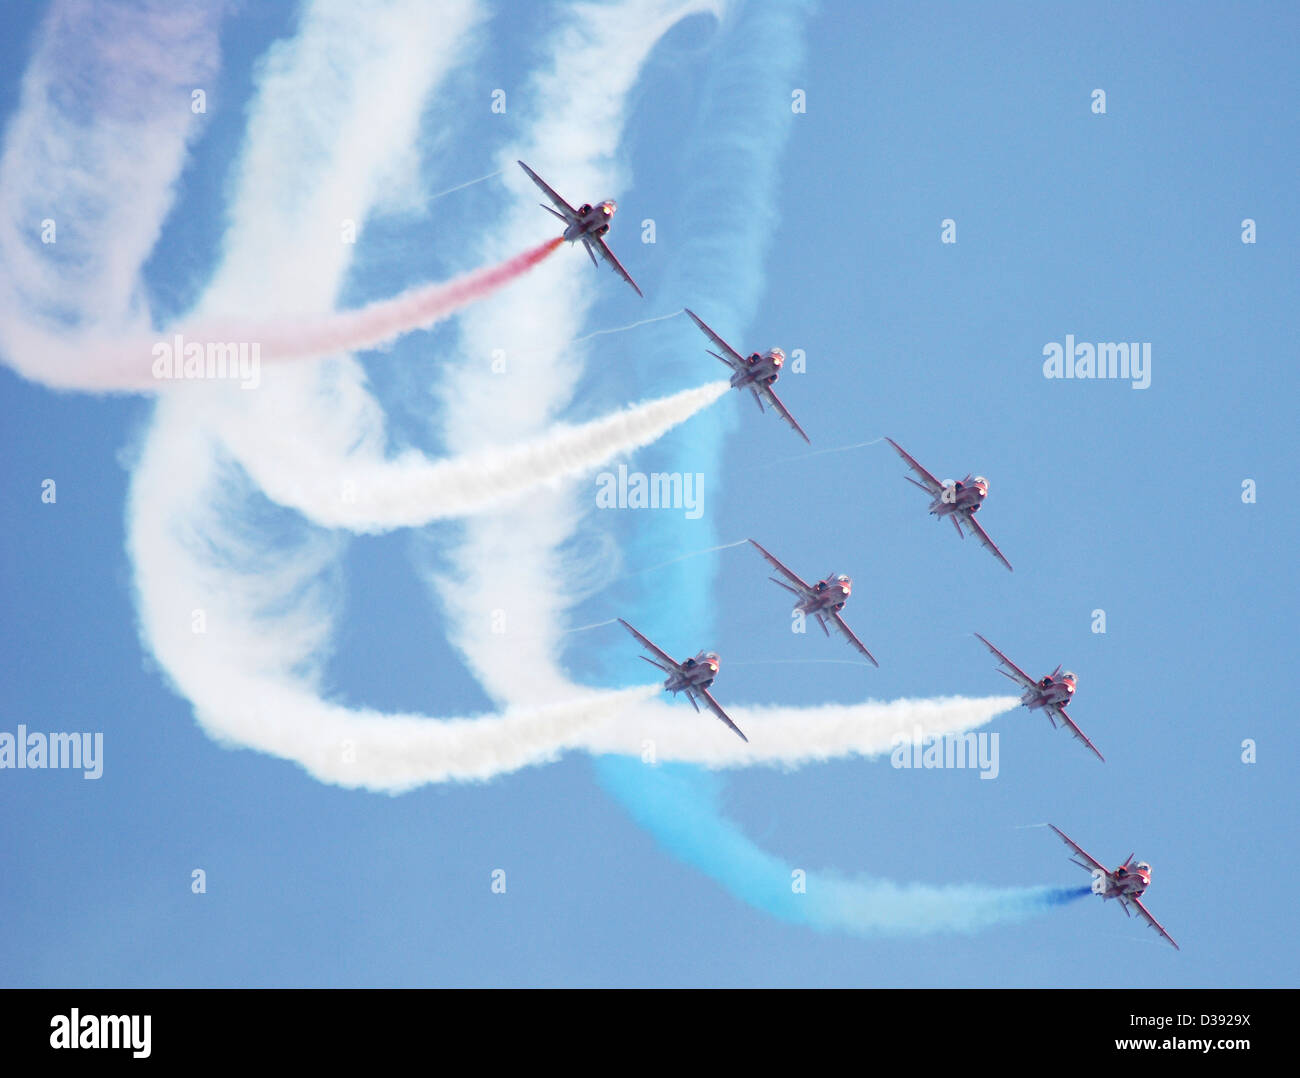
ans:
x=849 y=635
x=569 y=213
x=1056 y=712
x=783 y=411
x=608 y=256
x=927 y=480
x=732 y=358
x=983 y=537
x=1145 y=914
x=716 y=708
x=1015 y=674
x=1093 y=863
x=673 y=663
x=787 y=573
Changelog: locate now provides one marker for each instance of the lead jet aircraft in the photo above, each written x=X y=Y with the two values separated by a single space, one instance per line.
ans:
x=823 y=600
x=587 y=223
x=753 y=372
x=693 y=676
x=1051 y=692
x=958 y=500
x=1127 y=884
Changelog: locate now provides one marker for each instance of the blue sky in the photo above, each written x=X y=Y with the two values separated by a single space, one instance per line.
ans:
x=818 y=231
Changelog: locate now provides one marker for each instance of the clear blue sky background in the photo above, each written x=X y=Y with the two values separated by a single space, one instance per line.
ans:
x=1117 y=227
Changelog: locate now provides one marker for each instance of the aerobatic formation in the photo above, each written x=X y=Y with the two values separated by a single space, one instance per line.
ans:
x=318 y=450
x=957 y=500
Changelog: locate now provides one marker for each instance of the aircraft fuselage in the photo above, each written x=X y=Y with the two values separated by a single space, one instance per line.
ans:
x=1128 y=881
x=964 y=494
x=759 y=370
x=592 y=220
x=829 y=594
x=1051 y=690
x=696 y=673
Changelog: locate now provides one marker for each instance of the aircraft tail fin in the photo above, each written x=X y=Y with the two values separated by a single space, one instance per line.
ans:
x=783 y=584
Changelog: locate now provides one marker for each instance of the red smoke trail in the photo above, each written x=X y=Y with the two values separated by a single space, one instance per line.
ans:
x=185 y=353
x=386 y=319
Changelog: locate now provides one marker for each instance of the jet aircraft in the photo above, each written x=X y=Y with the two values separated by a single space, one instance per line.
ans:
x=691 y=676
x=959 y=500
x=823 y=600
x=587 y=223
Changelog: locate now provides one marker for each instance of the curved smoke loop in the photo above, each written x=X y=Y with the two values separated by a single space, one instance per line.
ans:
x=268 y=601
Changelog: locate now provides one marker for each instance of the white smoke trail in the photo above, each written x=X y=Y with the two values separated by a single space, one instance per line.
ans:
x=577 y=101
x=366 y=492
x=688 y=824
x=315 y=159
x=788 y=736
x=266 y=611
x=346 y=65
x=90 y=162
x=240 y=626
x=225 y=682
x=314 y=440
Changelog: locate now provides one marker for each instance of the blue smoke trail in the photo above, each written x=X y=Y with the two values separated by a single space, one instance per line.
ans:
x=680 y=806
x=741 y=130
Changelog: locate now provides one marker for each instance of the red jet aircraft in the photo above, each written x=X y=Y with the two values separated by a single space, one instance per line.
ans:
x=958 y=500
x=823 y=600
x=587 y=223
x=755 y=373
x=1050 y=692
x=693 y=677
x=1128 y=883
